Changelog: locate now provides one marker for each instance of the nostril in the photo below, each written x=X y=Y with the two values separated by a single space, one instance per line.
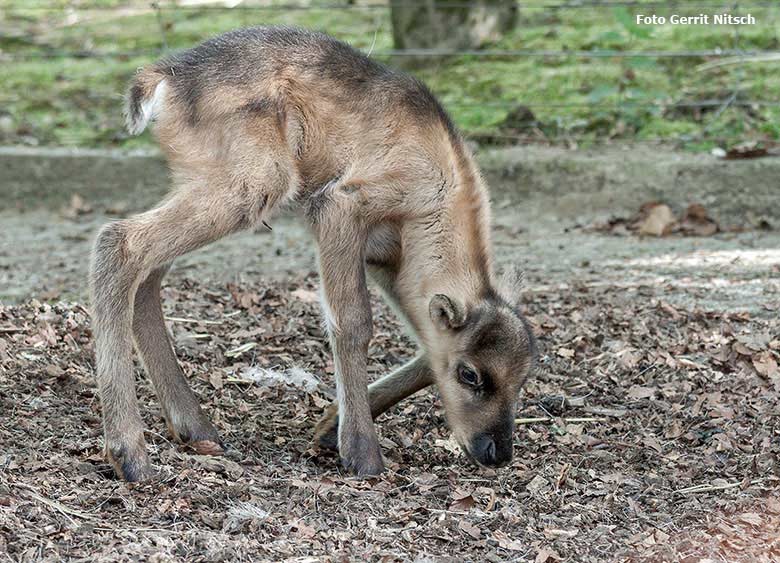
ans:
x=490 y=451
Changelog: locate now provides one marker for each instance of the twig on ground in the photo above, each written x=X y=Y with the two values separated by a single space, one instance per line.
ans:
x=709 y=488
x=239 y=381
x=194 y=321
x=59 y=507
x=235 y=352
x=533 y=420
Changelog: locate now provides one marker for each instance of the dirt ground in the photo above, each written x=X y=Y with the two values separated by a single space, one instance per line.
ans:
x=44 y=254
x=648 y=433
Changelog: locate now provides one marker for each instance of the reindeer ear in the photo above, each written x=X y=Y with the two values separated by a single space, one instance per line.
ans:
x=445 y=313
x=512 y=284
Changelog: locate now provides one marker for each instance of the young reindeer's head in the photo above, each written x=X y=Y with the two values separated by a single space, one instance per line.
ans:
x=480 y=360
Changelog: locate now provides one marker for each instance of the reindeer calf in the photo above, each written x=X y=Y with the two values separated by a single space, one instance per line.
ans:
x=262 y=117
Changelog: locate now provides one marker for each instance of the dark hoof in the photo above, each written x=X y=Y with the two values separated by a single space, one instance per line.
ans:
x=207 y=447
x=130 y=467
x=363 y=457
x=200 y=435
x=326 y=433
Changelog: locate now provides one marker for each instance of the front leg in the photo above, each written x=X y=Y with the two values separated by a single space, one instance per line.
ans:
x=348 y=313
x=347 y=307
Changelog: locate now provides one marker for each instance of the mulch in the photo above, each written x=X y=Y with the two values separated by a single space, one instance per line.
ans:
x=648 y=433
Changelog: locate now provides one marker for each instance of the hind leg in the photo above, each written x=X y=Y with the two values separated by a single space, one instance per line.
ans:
x=186 y=420
x=126 y=253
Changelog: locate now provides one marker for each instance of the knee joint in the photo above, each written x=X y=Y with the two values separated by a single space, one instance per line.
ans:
x=109 y=258
x=110 y=246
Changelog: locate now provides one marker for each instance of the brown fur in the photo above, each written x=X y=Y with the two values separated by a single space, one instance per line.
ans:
x=255 y=119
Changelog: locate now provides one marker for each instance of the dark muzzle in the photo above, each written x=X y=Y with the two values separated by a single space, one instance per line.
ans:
x=492 y=450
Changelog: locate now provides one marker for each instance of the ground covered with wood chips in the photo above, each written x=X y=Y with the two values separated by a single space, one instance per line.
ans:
x=649 y=433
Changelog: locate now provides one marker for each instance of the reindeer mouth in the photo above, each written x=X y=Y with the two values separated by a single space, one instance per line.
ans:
x=483 y=452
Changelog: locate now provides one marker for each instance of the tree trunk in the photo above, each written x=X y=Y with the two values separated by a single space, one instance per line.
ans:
x=450 y=24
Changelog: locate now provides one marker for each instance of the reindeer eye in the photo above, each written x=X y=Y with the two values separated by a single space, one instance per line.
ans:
x=468 y=376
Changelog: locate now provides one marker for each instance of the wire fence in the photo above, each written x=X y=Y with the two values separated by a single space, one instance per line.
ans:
x=431 y=53
x=310 y=6
x=737 y=53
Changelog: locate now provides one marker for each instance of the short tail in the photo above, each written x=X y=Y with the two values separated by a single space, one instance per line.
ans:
x=144 y=101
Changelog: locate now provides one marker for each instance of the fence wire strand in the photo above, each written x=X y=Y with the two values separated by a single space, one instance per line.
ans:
x=577 y=5
x=437 y=53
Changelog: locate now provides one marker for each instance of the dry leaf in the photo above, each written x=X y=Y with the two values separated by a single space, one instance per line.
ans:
x=470 y=529
x=652 y=442
x=637 y=392
x=506 y=542
x=565 y=352
x=751 y=518
x=629 y=359
x=216 y=379
x=304 y=530
x=537 y=484
x=306 y=295
x=659 y=221
x=695 y=221
x=546 y=555
x=464 y=504
x=554 y=533
x=746 y=150
x=77 y=206
x=766 y=365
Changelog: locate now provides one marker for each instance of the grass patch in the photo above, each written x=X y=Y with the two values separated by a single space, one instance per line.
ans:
x=48 y=98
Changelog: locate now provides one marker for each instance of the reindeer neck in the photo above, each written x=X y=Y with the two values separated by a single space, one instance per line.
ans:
x=449 y=252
